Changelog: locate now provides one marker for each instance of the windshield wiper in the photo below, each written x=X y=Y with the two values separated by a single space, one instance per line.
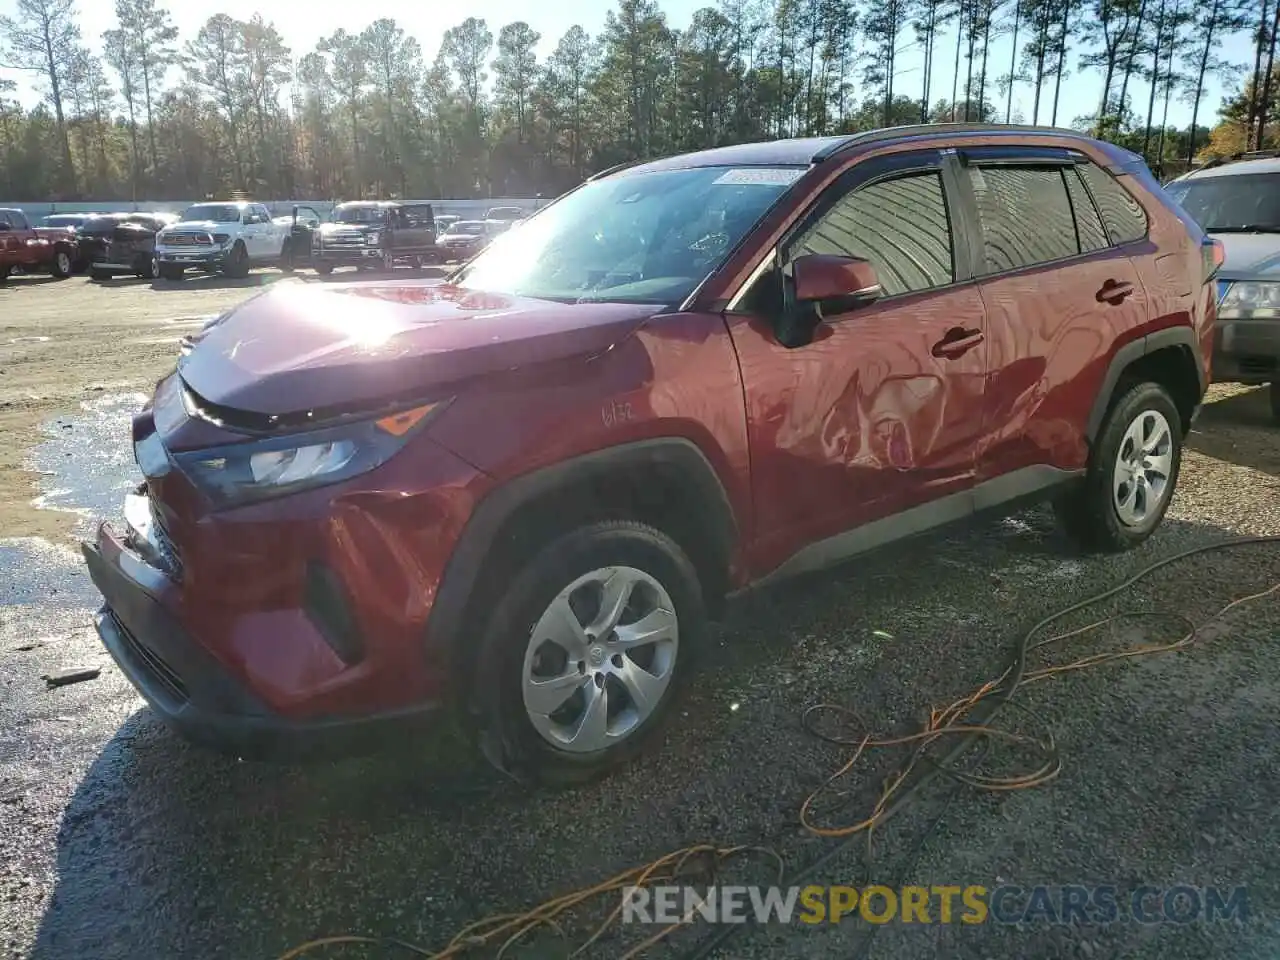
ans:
x=1246 y=228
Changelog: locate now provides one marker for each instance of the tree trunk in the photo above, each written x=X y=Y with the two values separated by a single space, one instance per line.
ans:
x=1168 y=92
x=68 y=178
x=1062 y=59
x=1042 y=41
x=1129 y=61
x=1265 y=102
x=1252 y=116
x=1013 y=61
x=1155 y=82
x=986 y=48
x=968 y=58
x=955 y=73
x=1202 y=69
x=146 y=95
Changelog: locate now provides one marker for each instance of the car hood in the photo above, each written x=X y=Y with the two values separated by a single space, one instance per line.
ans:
x=461 y=237
x=1250 y=256
x=204 y=225
x=305 y=347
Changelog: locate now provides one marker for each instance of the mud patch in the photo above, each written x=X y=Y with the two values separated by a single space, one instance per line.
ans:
x=85 y=463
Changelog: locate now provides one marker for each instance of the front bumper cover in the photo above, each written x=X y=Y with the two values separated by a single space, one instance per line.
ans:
x=1247 y=350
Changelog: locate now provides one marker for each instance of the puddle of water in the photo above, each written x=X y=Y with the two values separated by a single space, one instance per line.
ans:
x=28 y=339
x=86 y=461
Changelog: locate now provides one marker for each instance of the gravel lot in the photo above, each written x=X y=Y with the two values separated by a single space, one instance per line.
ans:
x=119 y=841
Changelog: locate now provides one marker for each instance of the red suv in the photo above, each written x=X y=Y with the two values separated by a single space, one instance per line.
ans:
x=521 y=491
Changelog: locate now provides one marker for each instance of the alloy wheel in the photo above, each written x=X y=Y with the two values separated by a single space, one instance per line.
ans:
x=1144 y=463
x=599 y=659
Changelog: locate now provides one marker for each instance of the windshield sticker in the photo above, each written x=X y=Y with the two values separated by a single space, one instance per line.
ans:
x=761 y=176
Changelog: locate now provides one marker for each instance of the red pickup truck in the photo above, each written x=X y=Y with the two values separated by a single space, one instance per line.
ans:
x=25 y=248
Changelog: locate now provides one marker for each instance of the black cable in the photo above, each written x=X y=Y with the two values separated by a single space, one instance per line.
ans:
x=1008 y=683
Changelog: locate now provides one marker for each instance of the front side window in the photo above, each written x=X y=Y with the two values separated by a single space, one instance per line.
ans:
x=642 y=237
x=19 y=220
x=1124 y=217
x=900 y=225
x=1239 y=203
x=1025 y=216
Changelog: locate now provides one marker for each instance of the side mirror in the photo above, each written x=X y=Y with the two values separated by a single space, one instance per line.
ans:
x=836 y=283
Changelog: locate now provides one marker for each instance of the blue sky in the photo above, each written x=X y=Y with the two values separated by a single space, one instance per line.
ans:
x=302 y=24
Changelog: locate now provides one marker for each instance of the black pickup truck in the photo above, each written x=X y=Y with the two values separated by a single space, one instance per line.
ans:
x=375 y=234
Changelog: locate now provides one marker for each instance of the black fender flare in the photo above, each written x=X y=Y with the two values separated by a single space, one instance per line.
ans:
x=448 y=617
x=1135 y=350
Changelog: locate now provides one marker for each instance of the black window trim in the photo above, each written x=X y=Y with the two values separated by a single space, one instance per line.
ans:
x=1115 y=178
x=859 y=176
x=1023 y=156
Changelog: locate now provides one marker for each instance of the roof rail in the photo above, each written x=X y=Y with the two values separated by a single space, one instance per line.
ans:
x=930 y=129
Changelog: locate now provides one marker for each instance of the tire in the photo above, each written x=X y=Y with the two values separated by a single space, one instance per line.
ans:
x=144 y=267
x=1106 y=513
x=98 y=276
x=237 y=263
x=324 y=269
x=286 y=257
x=1275 y=401
x=508 y=660
x=170 y=271
x=60 y=267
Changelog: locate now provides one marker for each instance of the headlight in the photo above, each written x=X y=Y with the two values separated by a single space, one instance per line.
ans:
x=245 y=473
x=221 y=237
x=1246 y=299
x=372 y=238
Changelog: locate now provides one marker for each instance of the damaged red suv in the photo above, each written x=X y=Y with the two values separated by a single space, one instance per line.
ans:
x=521 y=491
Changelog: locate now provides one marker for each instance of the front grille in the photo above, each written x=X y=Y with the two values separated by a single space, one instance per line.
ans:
x=154 y=663
x=188 y=240
x=343 y=241
x=1257 y=366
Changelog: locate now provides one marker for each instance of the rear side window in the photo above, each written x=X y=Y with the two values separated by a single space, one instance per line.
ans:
x=418 y=216
x=18 y=220
x=1088 y=223
x=1025 y=215
x=1123 y=216
x=901 y=226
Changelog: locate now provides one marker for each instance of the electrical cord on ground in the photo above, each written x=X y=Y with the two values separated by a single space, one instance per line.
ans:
x=965 y=723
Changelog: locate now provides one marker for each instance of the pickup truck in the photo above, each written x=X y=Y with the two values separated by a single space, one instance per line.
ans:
x=23 y=248
x=230 y=237
x=369 y=234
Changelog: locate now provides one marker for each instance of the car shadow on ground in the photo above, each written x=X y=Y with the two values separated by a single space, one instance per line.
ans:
x=30 y=280
x=216 y=281
x=1239 y=429
x=166 y=850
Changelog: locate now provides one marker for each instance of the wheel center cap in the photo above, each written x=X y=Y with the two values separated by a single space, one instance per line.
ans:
x=596 y=656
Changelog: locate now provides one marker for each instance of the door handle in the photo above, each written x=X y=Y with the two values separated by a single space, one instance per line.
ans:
x=957 y=342
x=1114 y=292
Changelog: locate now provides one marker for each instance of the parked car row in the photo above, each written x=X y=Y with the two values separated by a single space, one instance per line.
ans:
x=233 y=237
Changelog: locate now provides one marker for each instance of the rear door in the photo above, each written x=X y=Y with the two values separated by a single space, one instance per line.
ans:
x=1058 y=297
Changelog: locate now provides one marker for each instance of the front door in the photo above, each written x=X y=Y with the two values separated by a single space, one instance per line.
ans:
x=882 y=413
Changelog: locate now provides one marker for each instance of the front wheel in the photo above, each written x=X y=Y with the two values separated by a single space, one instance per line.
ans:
x=581 y=659
x=286 y=257
x=324 y=269
x=237 y=262
x=60 y=268
x=1132 y=473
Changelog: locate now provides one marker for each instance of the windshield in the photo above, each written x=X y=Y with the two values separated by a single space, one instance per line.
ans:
x=353 y=214
x=1242 y=202
x=639 y=238
x=217 y=212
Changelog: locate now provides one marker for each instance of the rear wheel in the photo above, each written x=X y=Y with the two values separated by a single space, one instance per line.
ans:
x=98 y=276
x=1132 y=473
x=581 y=660
x=60 y=268
x=324 y=269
